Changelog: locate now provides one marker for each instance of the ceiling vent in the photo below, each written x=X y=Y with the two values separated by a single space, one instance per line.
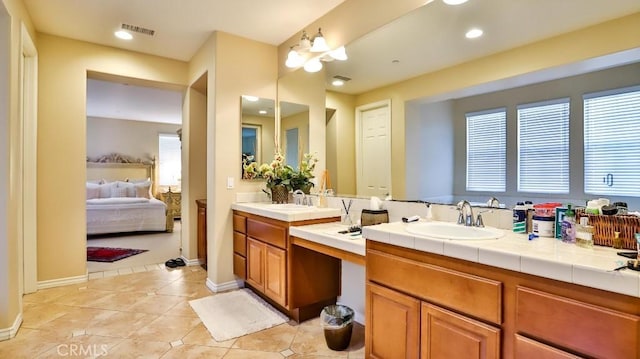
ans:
x=138 y=29
x=343 y=78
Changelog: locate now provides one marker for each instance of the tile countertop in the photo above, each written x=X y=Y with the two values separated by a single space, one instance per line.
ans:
x=327 y=234
x=288 y=213
x=544 y=257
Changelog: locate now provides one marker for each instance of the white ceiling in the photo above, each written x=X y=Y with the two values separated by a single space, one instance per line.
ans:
x=181 y=26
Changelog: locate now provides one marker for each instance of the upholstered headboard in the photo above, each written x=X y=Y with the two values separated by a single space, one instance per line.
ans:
x=117 y=167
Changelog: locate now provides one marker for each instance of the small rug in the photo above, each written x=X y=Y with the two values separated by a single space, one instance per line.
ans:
x=237 y=313
x=106 y=254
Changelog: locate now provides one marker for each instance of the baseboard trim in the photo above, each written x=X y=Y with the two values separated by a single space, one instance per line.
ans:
x=234 y=284
x=191 y=262
x=8 y=333
x=62 y=281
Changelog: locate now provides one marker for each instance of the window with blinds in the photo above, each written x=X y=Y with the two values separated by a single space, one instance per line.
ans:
x=486 y=150
x=169 y=161
x=612 y=142
x=543 y=147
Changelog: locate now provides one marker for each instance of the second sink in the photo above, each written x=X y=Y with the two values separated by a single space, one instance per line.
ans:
x=453 y=231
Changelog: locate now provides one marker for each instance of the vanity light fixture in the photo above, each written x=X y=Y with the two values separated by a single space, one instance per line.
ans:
x=262 y=112
x=473 y=33
x=310 y=53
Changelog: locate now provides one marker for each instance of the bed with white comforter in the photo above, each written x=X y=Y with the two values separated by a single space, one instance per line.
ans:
x=125 y=214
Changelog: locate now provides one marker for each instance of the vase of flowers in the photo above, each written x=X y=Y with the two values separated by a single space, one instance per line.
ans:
x=281 y=178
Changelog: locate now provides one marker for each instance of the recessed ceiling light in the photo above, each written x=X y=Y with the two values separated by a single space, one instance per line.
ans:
x=263 y=112
x=124 y=35
x=454 y=2
x=250 y=98
x=473 y=33
x=337 y=82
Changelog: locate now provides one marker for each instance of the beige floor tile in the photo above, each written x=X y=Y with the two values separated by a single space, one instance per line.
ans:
x=249 y=354
x=166 y=329
x=76 y=319
x=154 y=304
x=195 y=352
x=36 y=314
x=51 y=294
x=310 y=341
x=185 y=289
x=83 y=298
x=199 y=275
x=120 y=324
x=132 y=348
x=29 y=343
x=201 y=336
x=274 y=339
x=182 y=309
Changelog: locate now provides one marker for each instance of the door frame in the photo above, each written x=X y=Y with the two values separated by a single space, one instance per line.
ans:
x=28 y=117
x=359 y=111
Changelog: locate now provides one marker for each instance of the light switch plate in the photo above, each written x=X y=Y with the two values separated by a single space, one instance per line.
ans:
x=230 y=182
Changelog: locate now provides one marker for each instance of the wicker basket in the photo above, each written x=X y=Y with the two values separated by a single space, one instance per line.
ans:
x=605 y=226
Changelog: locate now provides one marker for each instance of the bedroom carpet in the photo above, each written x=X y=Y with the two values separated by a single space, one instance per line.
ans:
x=234 y=314
x=106 y=254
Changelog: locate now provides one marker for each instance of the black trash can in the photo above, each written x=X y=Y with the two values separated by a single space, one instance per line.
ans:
x=337 y=322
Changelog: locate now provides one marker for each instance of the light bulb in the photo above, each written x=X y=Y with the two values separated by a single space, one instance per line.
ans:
x=319 y=43
x=339 y=54
x=294 y=59
x=313 y=65
x=473 y=33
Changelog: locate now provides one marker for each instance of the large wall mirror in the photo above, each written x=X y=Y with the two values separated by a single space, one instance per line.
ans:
x=294 y=131
x=258 y=130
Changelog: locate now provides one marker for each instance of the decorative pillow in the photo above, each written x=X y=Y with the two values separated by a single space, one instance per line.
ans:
x=118 y=191
x=93 y=190
x=143 y=190
x=131 y=191
x=105 y=189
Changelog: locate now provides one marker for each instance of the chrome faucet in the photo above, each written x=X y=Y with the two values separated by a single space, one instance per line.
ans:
x=466 y=213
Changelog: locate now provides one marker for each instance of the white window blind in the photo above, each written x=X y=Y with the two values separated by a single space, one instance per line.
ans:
x=612 y=142
x=543 y=147
x=486 y=150
x=169 y=161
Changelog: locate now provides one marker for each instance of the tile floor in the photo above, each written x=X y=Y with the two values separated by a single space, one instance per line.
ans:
x=147 y=315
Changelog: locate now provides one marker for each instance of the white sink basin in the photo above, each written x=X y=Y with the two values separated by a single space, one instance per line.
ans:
x=453 y=231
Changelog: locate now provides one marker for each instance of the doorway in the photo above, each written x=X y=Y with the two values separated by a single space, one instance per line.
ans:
x=373 y=149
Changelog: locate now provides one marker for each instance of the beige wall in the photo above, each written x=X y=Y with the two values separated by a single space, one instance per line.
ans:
x=267 y=133
x=341 y=146
x=138 y=139
x=235 y=66
x=301 y=122
x=11 y=201
x=63 y=70
x=599 y=40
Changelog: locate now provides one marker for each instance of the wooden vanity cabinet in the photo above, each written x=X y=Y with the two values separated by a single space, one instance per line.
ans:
x=295 y=280
x=202 y=231
x=470 y=310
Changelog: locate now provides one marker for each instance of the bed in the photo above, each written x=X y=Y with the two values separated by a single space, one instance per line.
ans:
x=121 y=196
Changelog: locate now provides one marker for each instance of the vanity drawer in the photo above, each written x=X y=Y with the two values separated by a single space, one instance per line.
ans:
x=267 y=233
x=466 y=293
x=239 y=223
x=240 y=266
x=240 y=243
x=585 y=328
x=527 y=348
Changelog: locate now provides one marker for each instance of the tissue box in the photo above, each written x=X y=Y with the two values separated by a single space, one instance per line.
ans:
x=370 y=217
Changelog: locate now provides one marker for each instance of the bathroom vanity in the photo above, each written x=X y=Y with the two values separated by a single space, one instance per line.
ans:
x=504 y=298
x=296 y=280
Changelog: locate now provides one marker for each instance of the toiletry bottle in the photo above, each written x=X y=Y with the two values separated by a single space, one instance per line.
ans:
x=617 y=241
x=569 y=226
x=529 y=211
x=519 y=218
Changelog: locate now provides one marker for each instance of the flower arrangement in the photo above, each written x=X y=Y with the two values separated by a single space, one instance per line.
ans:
x=279 y=173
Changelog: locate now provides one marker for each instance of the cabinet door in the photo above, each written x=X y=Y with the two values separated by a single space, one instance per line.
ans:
x=202 y=234
x=446 y=335
x=275 y=274
x=393 y=324
x=528 y=348
x=255 y=263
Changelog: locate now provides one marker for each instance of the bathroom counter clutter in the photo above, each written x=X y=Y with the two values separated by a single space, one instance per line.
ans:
x=543 y=257
x=287 y=212
x=329 y=240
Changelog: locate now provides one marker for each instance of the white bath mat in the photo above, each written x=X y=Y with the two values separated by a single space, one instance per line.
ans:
x=234 y=314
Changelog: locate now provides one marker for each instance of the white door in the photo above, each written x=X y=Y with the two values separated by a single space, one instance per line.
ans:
x=373 y=149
